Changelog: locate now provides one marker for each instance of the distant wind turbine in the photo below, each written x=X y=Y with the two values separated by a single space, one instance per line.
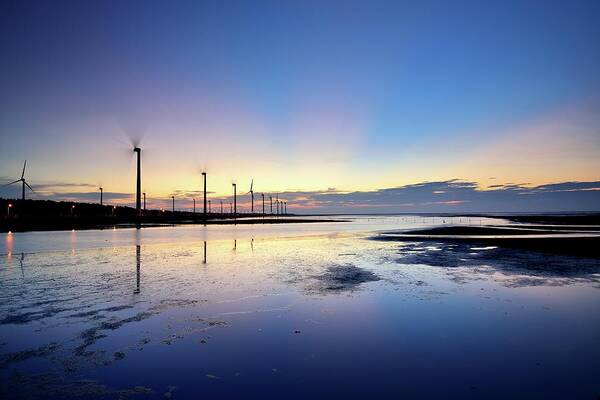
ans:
x=252 y=194
x=138 y=191
x=23 y=182
x=234 y=199
x=204 y=179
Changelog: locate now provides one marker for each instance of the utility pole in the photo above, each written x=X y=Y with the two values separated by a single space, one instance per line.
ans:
x=263 y=202
x=194 y=206
x=101 y=195
x=144 y=201
x=173 y=198
x=271 y=202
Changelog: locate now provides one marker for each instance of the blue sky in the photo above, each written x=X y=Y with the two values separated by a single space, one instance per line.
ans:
x=300 y=96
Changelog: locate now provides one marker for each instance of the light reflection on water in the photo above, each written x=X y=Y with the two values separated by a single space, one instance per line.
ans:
x=62 y=240
x=275 y=312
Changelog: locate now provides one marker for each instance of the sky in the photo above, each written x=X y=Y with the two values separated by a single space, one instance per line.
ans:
x=338 y=106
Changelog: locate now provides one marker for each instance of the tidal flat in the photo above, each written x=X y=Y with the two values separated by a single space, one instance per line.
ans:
x=293 y=311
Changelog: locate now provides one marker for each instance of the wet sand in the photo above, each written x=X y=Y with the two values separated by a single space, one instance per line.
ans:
x=549 y=239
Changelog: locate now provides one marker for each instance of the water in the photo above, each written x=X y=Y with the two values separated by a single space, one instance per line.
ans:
x=294 y=311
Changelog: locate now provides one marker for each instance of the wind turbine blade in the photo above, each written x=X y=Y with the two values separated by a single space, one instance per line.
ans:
x=23 y=173
x=251 y=184
x=8 y=184
x=30 y=188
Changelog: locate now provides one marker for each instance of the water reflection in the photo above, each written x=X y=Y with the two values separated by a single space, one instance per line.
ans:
x=138 y=252
x=305 y=307
x=21 y=263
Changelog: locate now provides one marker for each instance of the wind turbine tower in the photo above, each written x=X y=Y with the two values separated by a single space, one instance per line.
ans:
x=234 y=199
x=252 y=195
x=138 y=193
x=204 y=179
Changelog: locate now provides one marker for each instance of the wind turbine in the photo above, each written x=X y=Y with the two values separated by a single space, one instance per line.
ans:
x=234 y=199
x=138 y=193
x=252 y=194
x=204 y=178
x=23 y=182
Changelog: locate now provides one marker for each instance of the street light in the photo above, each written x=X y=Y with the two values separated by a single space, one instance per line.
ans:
x=72 y=209
x=8 y=210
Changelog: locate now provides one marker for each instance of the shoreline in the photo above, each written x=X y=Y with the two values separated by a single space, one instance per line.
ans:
x=66 y=224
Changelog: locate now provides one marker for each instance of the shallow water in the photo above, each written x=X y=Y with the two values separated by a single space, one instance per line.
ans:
x=292 y=311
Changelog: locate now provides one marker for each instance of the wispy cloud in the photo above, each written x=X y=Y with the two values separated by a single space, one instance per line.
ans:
x=444 y=196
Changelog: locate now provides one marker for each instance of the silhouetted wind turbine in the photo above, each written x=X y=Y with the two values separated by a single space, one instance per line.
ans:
x=204 y=178
x=234 y=199
x=23 y=182
x=252 y=195
x=138 y=192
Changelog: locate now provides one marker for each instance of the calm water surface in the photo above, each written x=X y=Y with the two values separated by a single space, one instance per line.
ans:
x=292 y=311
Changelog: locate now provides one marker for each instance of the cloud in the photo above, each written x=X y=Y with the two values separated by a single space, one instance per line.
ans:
x=443 y=196
x=453 y=196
